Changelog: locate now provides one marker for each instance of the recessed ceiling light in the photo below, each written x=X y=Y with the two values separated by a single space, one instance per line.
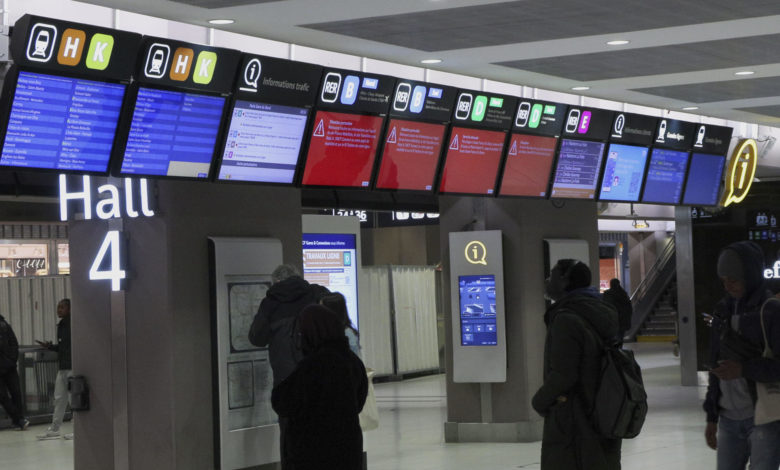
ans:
x=225 y=21
x=744 y=72
x=580 y=88
x=618 y=42
x=690 y=108
x=430 y=61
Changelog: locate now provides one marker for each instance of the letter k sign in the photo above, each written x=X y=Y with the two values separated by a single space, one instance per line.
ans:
x=100 y=51
x=204 y=67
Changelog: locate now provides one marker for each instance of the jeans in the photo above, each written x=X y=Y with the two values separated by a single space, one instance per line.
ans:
x=740 y=441
x=11 y=395
x=61 y=398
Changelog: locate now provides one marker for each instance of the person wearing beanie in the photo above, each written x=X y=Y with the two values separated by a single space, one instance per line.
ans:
x=572 y=369
x=736 y=346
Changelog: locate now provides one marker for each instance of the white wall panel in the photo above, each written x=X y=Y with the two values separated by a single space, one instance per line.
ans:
x=188 y=32
x=452 y=79
x=66 y=10
x=326 y=58
x=394 y=70
x=414 y=299
x=503 y=88
x=375 y=327
x=251 y=44
x=29 y=304
x=141 y=24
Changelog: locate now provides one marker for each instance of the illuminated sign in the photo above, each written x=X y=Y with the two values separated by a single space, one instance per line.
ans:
x=740 y=173
x=773 y=273
x=476 y=253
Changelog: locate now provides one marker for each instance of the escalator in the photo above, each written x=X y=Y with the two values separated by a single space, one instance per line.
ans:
x=655 y=301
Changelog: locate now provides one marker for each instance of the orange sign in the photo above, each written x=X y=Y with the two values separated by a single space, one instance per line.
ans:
x=71 y=47
x=182 y=62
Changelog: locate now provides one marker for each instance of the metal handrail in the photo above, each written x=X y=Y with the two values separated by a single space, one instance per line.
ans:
x=649 y=292
x=666 y=254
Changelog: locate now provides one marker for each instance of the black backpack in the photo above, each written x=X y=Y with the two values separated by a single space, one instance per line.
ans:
x=620 y=404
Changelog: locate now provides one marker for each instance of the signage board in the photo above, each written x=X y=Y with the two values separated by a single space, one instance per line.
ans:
x=587 y=123
x=635 y=129
x=484 y=110
x=674 y=134
x=536 y=117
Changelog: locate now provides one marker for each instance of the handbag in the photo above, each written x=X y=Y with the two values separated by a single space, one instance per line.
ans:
x=768 y=403
x=369 y=415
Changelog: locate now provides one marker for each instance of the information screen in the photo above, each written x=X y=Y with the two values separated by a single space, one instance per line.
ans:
x=478 y=310
x=665 y=176
x=704 y=176
x=410 y=155
x=342 y=149
x=62 y=123
x=263 y=143
x=623 y=173
x=172 y=133
x=329 y=259
x=528 y=166
x=577 y=171
x=472 y=161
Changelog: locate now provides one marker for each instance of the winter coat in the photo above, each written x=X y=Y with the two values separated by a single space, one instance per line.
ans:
x=572 y=364
x=747 y=346
x=63 y=344
x=321 y=400
x=619 y=299
x=9 y=347
x=274 y=323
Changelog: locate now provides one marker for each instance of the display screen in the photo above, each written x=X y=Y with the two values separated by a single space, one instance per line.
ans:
x=472 y=161
x=263 y=143
x=342 y=149
x=62 y=123
x=623 y=173
x=577 y=171
x=410 y=155
x=478 y=310
x=172 y=133
x=704 y=176
x=329 y=259
x=528 y=165
x=665 y=176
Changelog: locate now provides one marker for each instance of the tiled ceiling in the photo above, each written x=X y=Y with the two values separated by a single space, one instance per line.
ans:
x=773 y=111
x=681 y=53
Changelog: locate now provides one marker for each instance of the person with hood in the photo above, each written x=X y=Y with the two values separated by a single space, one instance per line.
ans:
x=736 y=346
x=579 y=323
x=322 y=398
x=619 y=299
x=274 y=325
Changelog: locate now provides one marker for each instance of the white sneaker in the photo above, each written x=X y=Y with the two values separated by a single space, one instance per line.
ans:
x=68 y=436
x=49 y=434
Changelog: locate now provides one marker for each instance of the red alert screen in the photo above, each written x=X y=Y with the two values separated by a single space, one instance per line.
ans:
x=410 y=155
x=342 y=149
x=472 y=161
x=528 y=165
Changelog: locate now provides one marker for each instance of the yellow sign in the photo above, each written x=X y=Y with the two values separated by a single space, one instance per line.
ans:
x=740 y=173
x=476 y=253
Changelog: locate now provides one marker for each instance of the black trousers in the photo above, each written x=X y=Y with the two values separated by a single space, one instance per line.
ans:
x=11 y=395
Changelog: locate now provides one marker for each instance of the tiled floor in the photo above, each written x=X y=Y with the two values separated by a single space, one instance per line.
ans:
x=411 y=431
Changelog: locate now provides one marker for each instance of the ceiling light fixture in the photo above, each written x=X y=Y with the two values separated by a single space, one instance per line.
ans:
x=690 y=108
x=744 y=72
x=580 y=88
x=430 y=61
x=618 y=42
x=225 y=21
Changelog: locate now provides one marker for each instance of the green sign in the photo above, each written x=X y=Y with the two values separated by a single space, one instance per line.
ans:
x=479 y=108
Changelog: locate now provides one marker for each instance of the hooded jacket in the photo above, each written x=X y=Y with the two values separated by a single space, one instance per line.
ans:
x=9 y=346
x=578 y=325
x=274 y=323
x=747 y=347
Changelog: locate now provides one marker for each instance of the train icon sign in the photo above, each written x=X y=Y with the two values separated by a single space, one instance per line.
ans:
x=40 y=46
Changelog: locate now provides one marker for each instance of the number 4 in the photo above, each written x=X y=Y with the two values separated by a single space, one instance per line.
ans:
x=115 y=273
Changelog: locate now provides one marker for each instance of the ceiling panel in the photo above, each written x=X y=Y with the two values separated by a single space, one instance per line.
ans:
x=771 y=111
x=526 y=21
x=213 y=4
x=678 y=58
x=710 y=92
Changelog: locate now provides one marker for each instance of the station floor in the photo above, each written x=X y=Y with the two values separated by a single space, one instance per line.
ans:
x=411 y=431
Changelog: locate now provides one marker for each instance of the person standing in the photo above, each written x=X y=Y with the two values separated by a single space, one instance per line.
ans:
x=619 y=299
x=338 y=304
x=578 y=325
x=322 y=398
x=10 y=390
x=64 y=371
x=736 y=346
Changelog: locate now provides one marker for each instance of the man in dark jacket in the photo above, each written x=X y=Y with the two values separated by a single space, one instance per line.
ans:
x=578 y=324
x=10 y=391
x=736 y=347
x=618 y=298
x=274 y=326
x=64 y=371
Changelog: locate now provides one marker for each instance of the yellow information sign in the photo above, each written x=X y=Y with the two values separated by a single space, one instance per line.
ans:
x=476 y=253
x=740 y=173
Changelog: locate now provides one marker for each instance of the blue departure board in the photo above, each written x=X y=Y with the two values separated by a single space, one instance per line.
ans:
x=665 y=176
x=62 y=123
x=623 y=172
x=478 y=310
x=704 y=178
x=172 y=133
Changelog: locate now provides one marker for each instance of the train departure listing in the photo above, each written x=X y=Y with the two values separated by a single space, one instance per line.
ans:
x=62 y=123
x=172 y=133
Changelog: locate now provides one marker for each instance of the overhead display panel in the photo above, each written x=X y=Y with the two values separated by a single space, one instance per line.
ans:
x=713 y=140
x=705 y=174
x=624 y=170
x=587 y=123
x=635 y=129
x=414 y=136
x=63 y=97
x=674 y=134
x=665 y=176
x=268 y=119
x=577 y=169
x=346 y=129
x=484 y=110
x=528 y=165
x=539 y=118
x=176 y=109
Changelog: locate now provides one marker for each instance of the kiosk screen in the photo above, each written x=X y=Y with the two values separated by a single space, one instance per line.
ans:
x=478 y=310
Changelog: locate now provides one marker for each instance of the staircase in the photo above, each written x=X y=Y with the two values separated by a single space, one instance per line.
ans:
x=661 y=324
x=655 y=301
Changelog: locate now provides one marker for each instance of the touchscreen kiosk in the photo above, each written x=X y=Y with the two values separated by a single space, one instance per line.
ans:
x=702 y=188
x=665 y=176
x=577 y=170
x=624 y=171
x=478 y=310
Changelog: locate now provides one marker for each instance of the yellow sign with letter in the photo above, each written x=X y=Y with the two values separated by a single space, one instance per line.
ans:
x=740 y=173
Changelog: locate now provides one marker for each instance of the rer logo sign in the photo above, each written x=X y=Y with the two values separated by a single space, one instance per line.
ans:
x=573 y=121
x=741 y=170
x=476 y=253
x=463 y=110
x=402 y=94
x=330 y=89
